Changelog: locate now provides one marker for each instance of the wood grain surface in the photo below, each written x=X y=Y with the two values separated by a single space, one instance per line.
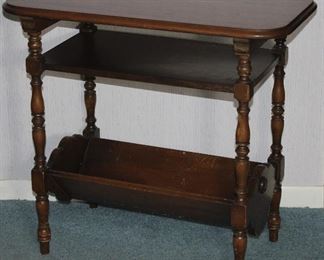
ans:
x=154 y=59
x=233 y=18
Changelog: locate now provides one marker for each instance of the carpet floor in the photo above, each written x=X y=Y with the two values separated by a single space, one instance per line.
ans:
x=111 y=234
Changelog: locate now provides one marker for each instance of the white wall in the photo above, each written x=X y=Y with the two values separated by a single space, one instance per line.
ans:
x=176 y=118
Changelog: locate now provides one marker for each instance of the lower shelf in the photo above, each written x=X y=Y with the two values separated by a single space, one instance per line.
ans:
x=153 y=180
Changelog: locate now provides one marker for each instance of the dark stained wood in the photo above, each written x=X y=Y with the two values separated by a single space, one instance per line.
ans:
x=236 y=193
x=243 y=93
x=71 y=156
x=90 y=99
x=144 y=165
x=277 y=126
x=156 y=180
x=232 y=18
x=143 y=199
x=93 y=205
x=34 y=68
x=35 y=24
x=90 y=96
x=155 y=59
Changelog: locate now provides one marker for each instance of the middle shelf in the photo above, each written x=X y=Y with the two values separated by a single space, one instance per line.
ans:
x=156 y=59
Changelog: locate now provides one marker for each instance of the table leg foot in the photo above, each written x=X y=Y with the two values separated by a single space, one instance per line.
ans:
x=239 y=245
x=273 y=235
x=274 y=217
x=44 y=248
x=44 y=232
x=93 y=205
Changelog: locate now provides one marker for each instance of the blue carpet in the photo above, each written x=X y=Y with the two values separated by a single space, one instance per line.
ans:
x=103 y=233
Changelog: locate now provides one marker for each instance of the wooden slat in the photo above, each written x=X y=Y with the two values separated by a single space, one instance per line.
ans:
x=147 y=200
x=163 y=168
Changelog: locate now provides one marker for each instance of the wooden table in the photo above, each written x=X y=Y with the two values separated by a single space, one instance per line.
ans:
x=210 y=189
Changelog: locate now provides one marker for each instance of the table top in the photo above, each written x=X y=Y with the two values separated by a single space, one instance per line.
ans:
x=231 y=18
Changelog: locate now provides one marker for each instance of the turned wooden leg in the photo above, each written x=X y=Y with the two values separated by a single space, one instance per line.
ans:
x=243 y=94
x=277 y=125
x=90 y=101
x=90 y=97
x=34 y=68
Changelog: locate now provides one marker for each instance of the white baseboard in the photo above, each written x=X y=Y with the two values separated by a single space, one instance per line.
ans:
x=17 y=190
x=312 y=197
x=300 y=197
